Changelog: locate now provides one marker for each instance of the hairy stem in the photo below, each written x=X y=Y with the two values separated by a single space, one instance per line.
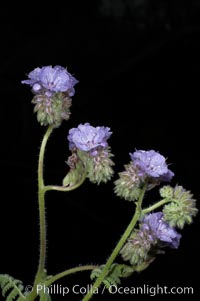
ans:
x=155 y=206
x=118 y=247
x=41 y=200
x=68 y=272
x=66 y=188
x=42 y=189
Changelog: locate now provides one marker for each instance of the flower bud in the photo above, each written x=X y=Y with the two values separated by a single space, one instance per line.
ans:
x=182 y=209
x=166 y=192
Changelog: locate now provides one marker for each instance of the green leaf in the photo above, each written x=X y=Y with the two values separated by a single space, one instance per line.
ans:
x=116 y=272
x=11 y=288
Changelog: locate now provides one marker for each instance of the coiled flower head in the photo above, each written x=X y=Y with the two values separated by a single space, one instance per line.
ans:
x=182 y=207
x=152 y=165
x=145 y=166
x=52 y=87
x=127 y=186
x=153 y=235
x=90 y=144
x=161 y=230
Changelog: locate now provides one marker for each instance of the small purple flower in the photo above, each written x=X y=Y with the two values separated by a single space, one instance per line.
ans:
x=161 y=230
x=151 y=164
x=87 y=138
x=51 y=79
x=152 y=236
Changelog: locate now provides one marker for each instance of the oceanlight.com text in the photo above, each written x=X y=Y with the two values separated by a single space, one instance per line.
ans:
x=145 y=289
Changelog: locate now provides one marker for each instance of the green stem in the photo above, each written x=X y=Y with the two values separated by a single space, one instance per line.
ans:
x=118 y=247
x=42 y=189
x=68 y=272
x=155 y=206
x=66 y=188
x=41 y=200
x=42 y=221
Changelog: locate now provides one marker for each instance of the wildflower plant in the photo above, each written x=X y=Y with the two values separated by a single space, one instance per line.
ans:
x=151 y=231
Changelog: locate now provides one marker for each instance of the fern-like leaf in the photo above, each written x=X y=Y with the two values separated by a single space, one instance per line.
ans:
x=116 y=272
x=11 y=288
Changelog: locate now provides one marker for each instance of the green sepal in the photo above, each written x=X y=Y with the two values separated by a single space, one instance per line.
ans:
x=128 y=185
x=52 y=110
x=74 y=175
x=144 y=265
x=99 y=167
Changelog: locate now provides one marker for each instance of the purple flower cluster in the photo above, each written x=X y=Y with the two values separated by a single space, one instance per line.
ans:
x=49 y=80
x=160 y=230
x=52 y=88
x=152 y=236
x=152 y=165
x=88 y=138
x=90 y=146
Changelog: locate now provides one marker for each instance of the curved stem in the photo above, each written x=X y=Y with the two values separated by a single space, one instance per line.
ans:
x=118 y=247
x=68 y=272
x=41 y=200
x=65 y=188
x=155 y=206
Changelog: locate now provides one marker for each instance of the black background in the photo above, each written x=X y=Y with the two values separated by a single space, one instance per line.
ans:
x=138 y=66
